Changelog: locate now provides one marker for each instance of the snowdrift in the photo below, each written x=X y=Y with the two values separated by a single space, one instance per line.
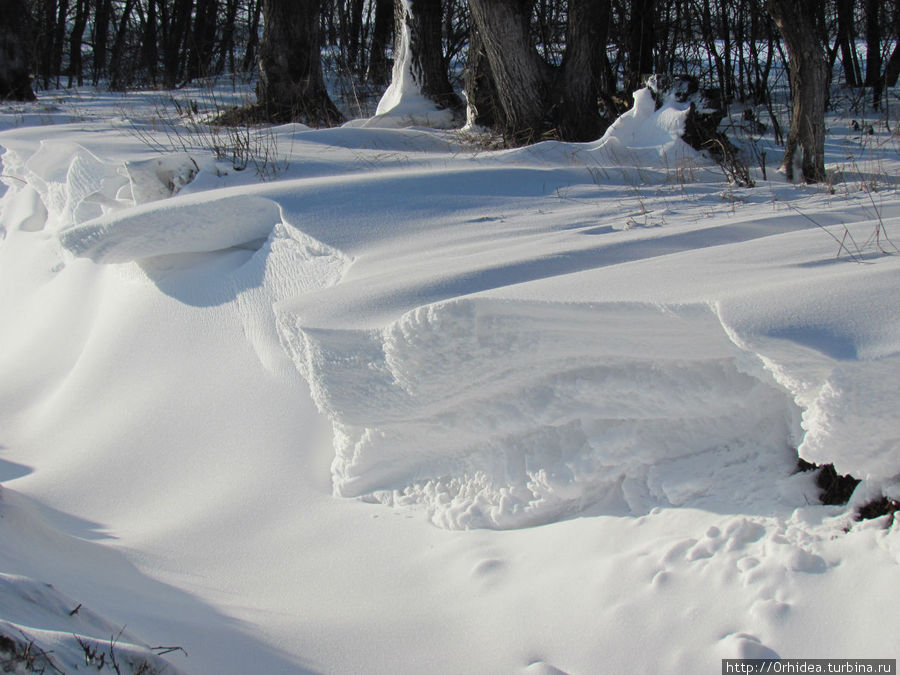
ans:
x=232 y=411
x=620 y=408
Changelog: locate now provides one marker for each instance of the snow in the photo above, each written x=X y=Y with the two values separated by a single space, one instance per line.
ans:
x=403 y=405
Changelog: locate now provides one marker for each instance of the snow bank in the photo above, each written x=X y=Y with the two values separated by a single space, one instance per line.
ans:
x=507 y=414
x=837 y=350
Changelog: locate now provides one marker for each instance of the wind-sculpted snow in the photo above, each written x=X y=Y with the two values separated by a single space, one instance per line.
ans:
x=188 y=226
x=62 y=184
x=506 y=414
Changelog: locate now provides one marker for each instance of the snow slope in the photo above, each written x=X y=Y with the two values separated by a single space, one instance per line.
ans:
x=412 y=407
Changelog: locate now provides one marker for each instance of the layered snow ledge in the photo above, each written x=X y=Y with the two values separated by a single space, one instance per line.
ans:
x=506 y=414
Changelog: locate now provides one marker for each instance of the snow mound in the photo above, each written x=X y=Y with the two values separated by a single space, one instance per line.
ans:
x=621 y=407
x=645 y=135
x=193 y=224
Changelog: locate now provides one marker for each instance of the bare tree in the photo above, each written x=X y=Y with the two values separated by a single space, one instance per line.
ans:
x=534 y=98
x=809 y=83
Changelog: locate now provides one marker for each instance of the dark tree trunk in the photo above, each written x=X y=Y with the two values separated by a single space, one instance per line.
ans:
x=527 y=98
x=354 y=31
x=379 y=68
x=873 y=43
x=76 y=38
x=15 y=51
x=100 y=38
x=846 y=41
x=291 y=86
x=176 y=17
x=479 y=82
x=641 y=42
x=226 y=49
x=149 y=53
x=578 y=115
x=809 y=78
x=423 y=24
x=522 y=79
x=892 y=67
x=117 y=79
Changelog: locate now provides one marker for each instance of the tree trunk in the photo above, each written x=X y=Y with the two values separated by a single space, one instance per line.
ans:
x=254 y=12
x=59 y=38
x=525 y=97
x=76 y=38
x=846 y=41
x=100 y=38
x=202 y=37
x=481 y=94
x=578 y=115
x=640 y=47
x=379 y=68
x=149 y=53
x=176 y=18
x=873 y=43
x=423 y=23
x=521 y=78
x=15 y=51
x=117 y=81
x=809 y=78
x=291 y=86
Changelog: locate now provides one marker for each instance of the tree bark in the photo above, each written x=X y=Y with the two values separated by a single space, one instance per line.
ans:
x=640 y=47
x=15 y=51
x=291 y=86
x=526 y=97
x=579 y=116
x=873 y=43
x=521 y=78
x=423 y=22
x=809 y=78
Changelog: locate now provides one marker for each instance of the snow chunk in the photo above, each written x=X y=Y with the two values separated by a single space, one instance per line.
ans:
x=161 y=177
x=621 y=407
x=60 y=185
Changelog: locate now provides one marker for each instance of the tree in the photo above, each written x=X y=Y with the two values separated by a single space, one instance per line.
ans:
x=809 y=84
x=291 y=86
x=419 y=22
x=379 y=68
x=640 y=46
x=534 y=98
x=15 y=51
